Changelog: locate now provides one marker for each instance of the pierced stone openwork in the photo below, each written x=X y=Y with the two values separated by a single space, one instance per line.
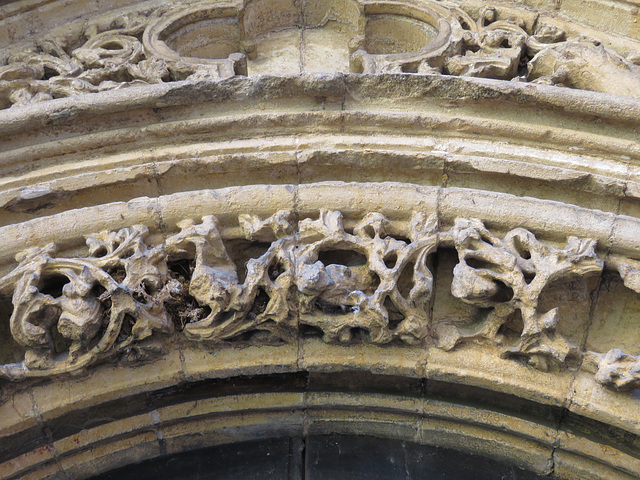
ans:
x=288 y=278
x=218 y=40
x=284 y=221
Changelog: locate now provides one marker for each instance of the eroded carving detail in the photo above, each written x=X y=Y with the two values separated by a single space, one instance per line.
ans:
x=289 y=283
x=137 y=49
x=286 y=278
x=619 y=370
x=494 y=49
x=259 y=304
x=100 y=58
x=72 y=312
x=581 y=63
x=511 y=49
x=508 y=275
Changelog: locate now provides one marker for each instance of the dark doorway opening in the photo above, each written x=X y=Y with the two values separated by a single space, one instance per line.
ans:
x=322 y=457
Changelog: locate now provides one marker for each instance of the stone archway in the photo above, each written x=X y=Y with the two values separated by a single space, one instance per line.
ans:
x=197 y=256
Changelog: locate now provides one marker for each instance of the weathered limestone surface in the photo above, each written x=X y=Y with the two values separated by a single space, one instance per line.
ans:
x=289 y=277
x=224 y=221
x=419 y=296
x=153 y=44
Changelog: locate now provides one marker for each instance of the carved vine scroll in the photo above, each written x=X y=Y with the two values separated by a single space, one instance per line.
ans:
x=71 y=312
x=521 y=267
x=288 y=278
x=290 y=284
x=142 y=48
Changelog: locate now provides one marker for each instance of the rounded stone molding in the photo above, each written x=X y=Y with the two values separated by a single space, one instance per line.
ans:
x=578 y=150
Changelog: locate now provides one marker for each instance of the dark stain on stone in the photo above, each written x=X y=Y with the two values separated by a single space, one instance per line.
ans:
x=33 y=199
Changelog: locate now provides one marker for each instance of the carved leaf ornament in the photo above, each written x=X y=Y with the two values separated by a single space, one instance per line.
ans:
x=524 y=266
x=371 y=284
x=441 y=39
x=103 y=303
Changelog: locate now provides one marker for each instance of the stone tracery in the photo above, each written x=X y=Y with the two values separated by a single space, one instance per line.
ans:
x=167 y=45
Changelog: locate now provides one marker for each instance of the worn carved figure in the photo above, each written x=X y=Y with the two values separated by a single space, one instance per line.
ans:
x=290 y=284
x=508 y=275
x=71 y=312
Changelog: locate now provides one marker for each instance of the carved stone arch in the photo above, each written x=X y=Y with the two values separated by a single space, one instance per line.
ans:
x=199 y=260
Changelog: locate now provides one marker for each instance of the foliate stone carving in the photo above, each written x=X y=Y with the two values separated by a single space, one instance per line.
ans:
x=71 y=312
x=507 y=276
x=368 y=296
x=512 y=49
x=218 y=40
x=582 y=63
x=234 y=308
x=493 y=49
x=629 y=270
x=93 y=61
x=619 y=370
x=212 y=46
x=289 y=285
x=287 y=278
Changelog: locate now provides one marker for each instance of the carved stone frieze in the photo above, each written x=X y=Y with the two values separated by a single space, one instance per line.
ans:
x=287 y=278
x=290 y=282
x=219 y=40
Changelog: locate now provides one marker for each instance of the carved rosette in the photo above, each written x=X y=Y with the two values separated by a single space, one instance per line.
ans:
x=288 y=278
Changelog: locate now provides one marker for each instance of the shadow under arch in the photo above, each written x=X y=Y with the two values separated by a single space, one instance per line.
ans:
x=314 y=425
